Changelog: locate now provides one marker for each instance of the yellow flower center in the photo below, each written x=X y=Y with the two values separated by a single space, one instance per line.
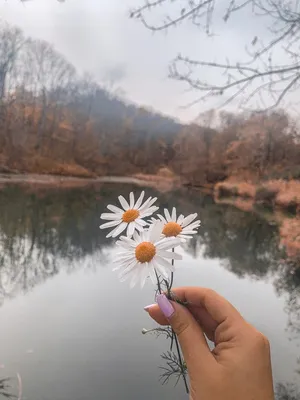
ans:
x=130 y=216
x=145 y=252
x=172 y=229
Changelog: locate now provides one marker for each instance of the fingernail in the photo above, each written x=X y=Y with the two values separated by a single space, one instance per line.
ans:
x=147 y=308
x=165 y=306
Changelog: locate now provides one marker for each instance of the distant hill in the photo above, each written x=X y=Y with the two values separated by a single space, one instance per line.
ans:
x=111 y=110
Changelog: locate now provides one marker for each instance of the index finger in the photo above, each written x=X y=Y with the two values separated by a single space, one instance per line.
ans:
x=217 y=306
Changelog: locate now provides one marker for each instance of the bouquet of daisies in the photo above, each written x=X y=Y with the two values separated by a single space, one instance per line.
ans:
x=148 y=251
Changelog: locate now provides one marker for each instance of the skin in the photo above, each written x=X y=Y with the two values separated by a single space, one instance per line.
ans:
x=238 y=367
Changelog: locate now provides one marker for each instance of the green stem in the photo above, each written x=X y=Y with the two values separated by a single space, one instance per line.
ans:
x=175 y=336
x=158 y=282
x=181 y=364
x=172 y=273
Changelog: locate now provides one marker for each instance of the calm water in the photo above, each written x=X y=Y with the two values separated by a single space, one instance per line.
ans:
x=70 y=330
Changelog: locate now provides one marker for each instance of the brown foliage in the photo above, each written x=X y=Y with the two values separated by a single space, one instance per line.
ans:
x=290 y=234
x=241 y=189
x=50 y=123
x=250 y=147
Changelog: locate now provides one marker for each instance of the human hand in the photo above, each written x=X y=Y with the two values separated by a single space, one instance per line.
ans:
x=239 y=366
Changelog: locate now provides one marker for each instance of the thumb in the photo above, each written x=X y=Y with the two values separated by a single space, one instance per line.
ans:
x=196 y=352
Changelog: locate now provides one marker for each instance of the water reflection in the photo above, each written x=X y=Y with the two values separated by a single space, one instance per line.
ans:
x=44 y=232
x=38 y=230
x=287 y=282
x=6 y=389
x=286 y=392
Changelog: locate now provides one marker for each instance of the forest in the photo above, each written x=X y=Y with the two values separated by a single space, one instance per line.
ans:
x=55 y=121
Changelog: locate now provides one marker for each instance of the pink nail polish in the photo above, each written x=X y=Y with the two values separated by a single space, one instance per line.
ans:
x=147 y=308
x=165 y=306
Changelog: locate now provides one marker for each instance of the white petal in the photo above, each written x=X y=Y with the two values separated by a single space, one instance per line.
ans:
x=144 y=236
x=174 y=214
x=123 y=203
x=130 y=229
x=149 y=212
x=139 y=201
x=152 y=201
x=134 y=279
x=121 y=258
x=181 y=236
x=126 y=239
x=161 y=270
x=110 y=224
x=180 y=219
x=187 y=232
x=145 y=204
x=166 y=244
x=148 y=203
x=140 y=222
x=129 y=268
x=162 y=261
x=169 y=254
x=123 y=244
x=115 y=209
x=144 y=276
x=136 y=238
x=131 y=200
x=155 y=231
x=188 y=219
x=163 y=219
x=119 y=229
x=122 y=253
x=124 y=278
x=167 y=214
x=124 y=264
x=139 y=227
x=111 y=217
x=152 y=274
x=193 y=225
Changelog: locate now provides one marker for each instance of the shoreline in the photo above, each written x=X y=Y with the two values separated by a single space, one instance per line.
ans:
x=289 y=225
x=64 y=181
x=161 y=183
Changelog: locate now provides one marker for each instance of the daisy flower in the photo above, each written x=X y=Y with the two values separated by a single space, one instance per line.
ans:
x=146 y=255
x=130 y=216
x=181 y=227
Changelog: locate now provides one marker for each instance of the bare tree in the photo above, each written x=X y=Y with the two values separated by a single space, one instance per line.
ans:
x=11 y=41
x=264 y=81
x=50 y=75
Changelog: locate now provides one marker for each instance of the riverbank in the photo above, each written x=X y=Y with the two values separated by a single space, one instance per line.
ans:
x=278 y=201
x=39 y=180
x=161 y=183
x=274 y=193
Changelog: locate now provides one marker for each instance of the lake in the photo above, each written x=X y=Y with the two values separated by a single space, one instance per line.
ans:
x=71 y=330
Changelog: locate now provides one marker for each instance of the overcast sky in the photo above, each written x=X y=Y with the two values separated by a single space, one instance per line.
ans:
x=98 y=36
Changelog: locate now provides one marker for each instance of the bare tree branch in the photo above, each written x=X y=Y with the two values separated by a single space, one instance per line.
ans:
x=256 y=77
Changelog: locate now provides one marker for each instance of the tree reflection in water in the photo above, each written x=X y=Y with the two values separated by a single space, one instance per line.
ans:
x=46 y=231
x=286 y=392
x=41 y=233
x=6 y=389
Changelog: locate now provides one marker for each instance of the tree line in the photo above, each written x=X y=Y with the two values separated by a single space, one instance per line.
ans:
x=53 y=120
